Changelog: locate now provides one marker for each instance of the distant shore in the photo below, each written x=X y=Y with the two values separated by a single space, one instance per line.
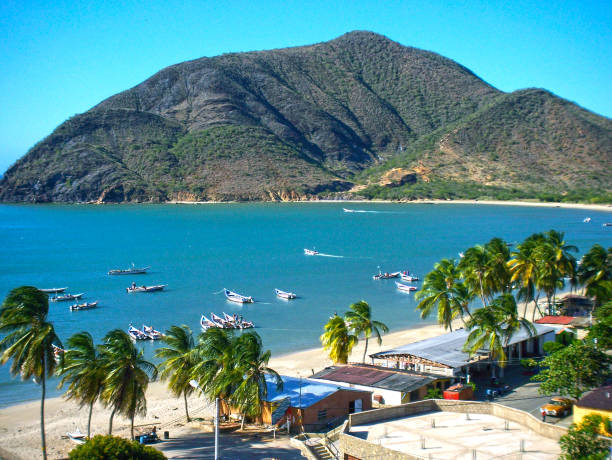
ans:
x=585 y=206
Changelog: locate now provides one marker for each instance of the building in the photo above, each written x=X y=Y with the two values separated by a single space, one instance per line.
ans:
x=575 y=305
x=597 y=401
x=388 y=386
x=444 y=355
x=311 y=405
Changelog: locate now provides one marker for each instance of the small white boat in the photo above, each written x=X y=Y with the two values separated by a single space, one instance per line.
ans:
x=461 y=255
x=607 y=224
x=285 y=295
x=150 y=332
x=135 y=288
x=61 y=298
x=136 y=334
x=234 y=297
x=310 y=252
x=587 y=220
x=77 y=437
x=83 y=306
x=53 y=290
x=206 y=323
x=407 y=276
x=405 y=287
x=385 y=276
x=220 y=322
x=129 y=271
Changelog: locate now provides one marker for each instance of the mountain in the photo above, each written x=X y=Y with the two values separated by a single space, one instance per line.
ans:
x=300 y=122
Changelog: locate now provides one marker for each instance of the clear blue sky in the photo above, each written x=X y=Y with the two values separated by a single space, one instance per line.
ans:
x=60 y=57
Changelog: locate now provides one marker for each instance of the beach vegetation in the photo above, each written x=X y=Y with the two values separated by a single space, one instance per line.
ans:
x=127 y=377
x=83 y=369
x=583 y=441
x=179 y=357
x=338 y=339
x=434 y=393
x=595 y=273
x=574 y=370
x=600 y=333
x=28 y=341
x=114 y=448
x=359 y=319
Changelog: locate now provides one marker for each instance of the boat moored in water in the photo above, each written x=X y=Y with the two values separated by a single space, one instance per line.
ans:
x=134 y=288
x=151 y=333
x=407 y=276
x=61 y=298
x=129 y=271
x=136 y=334
x=385 y=276
x=285 y=295
x=235 y=297
x=405 y=287
x=53 y=290
x=83 y=306
x=310 y=252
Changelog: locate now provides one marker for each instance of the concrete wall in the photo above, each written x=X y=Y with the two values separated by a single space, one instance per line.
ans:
x=360 y=448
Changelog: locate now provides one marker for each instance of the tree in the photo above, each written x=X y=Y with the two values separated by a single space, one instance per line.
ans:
x=127 y=377
x=29 y=341
x=524 y=270
x=473 y=267
x=595 y=273
x=442 y=290
x=497 y=275
x=112 y=447
x=214 y=355
x=338 y=340
x=511 y=322
x=179 y=360
x=486 y=333
x=360 y=320
x=573 y=370
x=601 y=331
x=583 y=441
x=83 y=370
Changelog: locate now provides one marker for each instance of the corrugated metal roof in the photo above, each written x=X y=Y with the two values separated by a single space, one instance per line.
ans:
x=389 y=379
x=555 y=320
x=311 y=391
x=447 y=349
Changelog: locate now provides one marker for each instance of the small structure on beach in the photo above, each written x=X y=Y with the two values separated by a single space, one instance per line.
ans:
x=444 y=355
x=309 y=405
x=388 y=386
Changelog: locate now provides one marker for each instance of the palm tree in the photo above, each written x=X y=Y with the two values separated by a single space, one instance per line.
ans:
x=549 y=277
x=127 y=377
x=595 y=273
x=473 y=267
x=511 y=321
x=497 y=275
x=338 y=340
x=179 y=360
x=213 y=355
x=442 y=290
x=564 y=261
x=83 y=368
x=523 y=270
x=486 y=333
x=360 y=320
x=29 y=341
x=251 y=363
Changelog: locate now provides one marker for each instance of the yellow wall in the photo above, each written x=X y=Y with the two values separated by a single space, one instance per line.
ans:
x=580 y=412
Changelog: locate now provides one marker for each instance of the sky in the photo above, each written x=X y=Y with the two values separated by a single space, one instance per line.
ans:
x=59 y=58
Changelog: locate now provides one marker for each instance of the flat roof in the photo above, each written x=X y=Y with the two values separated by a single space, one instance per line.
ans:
x=447 y=349
x=446 y=435
x=599 y=398
x=563 y=320
x=302 y=392
x=388 y=379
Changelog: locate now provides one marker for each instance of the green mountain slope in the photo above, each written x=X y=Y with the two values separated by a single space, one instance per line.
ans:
x=297 y=122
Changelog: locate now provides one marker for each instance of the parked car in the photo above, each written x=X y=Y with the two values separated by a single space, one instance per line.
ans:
x=497 y=389
x=557 y=406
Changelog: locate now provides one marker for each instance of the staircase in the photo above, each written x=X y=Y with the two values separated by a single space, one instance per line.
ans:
x=280 y=410
x=319 y=449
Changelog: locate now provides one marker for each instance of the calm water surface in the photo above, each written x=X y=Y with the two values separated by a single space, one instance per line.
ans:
x=250 y=248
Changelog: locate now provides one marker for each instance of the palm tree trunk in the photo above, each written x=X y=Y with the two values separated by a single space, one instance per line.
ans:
x=42 y=411
x=110 y=423
x=89 y=419
x=482 y=296
x=132 y=426
x=241 y=422
x=186 y=411
x=365 y=351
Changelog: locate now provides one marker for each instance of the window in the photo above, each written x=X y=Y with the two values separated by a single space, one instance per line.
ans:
x=322 y=414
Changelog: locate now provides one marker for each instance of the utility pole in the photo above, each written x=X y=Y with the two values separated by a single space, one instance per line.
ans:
x=194 y=384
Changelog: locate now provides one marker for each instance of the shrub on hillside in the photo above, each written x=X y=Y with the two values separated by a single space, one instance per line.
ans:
x=114 y=448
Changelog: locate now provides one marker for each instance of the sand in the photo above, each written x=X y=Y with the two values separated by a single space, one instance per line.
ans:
x=20 y=424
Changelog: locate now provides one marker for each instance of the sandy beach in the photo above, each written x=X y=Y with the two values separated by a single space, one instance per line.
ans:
x=20 y=424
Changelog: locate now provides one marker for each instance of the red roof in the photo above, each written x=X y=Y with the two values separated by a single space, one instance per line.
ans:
x=556 y=320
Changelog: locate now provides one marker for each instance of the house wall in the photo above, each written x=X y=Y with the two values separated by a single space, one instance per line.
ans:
x=580 y=412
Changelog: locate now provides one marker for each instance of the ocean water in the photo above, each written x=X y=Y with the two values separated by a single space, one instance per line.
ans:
x=197 y=250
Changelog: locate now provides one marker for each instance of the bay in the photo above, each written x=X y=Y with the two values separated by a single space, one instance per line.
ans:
x=249 y=248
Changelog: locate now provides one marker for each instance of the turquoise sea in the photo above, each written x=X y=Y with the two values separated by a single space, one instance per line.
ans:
x=250 y=248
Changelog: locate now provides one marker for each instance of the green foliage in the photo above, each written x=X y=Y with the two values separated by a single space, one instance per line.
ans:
x=529 y=363
x=573 y=370
x=114 y=448
x=551 y=347
x=434 y=393
x=583 y=441
x=602 y=329
x=338 y=339
x=359 y=319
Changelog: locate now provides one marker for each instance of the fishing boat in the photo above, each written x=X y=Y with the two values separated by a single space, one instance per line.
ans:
x=405 y=287
x=310 y=252
x=385 y=276
x=83 y=306
x=61 y=298
x=285 y=295
x=607 y=224
x=221 y=322
x=407 y=276
x=134 y=288
x=587 y=220
x=150 y=332
x=206 y=323
x=53 y=290
x=234 y=297
x=129 y=271
x=136 y=334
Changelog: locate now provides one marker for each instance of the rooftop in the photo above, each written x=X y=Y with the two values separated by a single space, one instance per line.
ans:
x=446 y=435
x=447 y=349
x=388 y=379
x=561 y=320
x=302 y=392
x=599 y=398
